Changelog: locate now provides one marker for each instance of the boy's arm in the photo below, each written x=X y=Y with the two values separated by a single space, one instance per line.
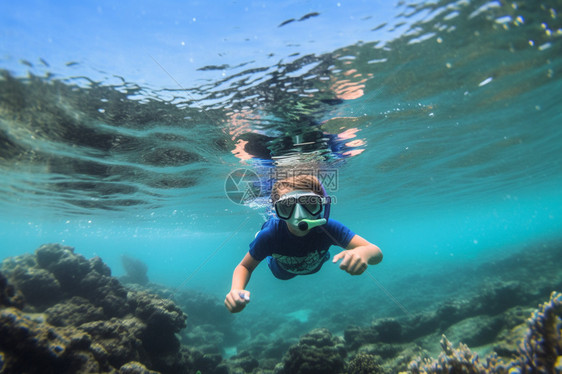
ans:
x=357 y=255
x=238 y=297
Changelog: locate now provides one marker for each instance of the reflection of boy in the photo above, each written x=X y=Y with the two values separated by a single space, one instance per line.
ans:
x=297 y=241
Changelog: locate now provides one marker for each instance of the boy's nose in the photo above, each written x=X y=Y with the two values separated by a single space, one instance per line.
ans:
x=299 y=212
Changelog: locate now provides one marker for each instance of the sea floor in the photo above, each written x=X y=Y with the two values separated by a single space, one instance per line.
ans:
x=63 y=313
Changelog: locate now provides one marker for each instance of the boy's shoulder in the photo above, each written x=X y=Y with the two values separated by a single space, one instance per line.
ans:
x=270 y=227
x=335 y=223
x=268 y=235
x=271 y=223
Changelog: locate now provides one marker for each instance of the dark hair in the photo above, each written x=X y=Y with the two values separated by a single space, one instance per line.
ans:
x=302 y=182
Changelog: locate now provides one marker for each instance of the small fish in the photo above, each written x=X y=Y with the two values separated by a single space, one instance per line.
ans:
x=214 y=67
x=379 y=27
x=309 y=15
x=286 y=22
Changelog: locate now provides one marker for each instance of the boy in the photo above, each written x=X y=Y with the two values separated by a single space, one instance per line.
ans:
x=297 y=241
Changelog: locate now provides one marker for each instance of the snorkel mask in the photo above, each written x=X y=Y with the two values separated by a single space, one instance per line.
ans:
x=303 y=209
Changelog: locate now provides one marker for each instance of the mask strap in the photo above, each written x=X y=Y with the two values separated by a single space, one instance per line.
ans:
x=327 y=205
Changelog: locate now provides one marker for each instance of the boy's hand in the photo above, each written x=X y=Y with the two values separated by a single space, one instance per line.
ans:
x=352 y=261
x=236 y=300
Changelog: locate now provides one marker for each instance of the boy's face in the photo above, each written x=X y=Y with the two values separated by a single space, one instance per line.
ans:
x=294 y=206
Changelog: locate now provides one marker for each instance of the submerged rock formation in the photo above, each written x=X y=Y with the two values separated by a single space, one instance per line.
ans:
x=457 y=360
x=9 y=295
x=364 y=363
x=135 y=270
x=63 y=313
x=88 y=321
x=316 y=352
x=540 y=352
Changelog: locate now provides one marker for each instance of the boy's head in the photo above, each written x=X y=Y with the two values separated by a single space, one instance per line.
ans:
x=300 y=201
x=302 y=182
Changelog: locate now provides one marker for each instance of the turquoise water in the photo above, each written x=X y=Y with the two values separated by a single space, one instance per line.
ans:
x=120 y=124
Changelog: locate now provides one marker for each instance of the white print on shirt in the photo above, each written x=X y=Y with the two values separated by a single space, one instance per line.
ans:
x=300 y=265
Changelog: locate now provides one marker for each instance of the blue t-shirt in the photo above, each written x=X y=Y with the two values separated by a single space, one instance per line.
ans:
x=289 y=255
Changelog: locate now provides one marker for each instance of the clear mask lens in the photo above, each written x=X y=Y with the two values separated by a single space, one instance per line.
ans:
x=310 y=203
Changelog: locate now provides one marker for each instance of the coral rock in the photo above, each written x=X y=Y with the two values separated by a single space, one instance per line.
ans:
x=99 y=266
x=457 y=360
x=317 y=352
x=388 y=329
x=205 y=337
x=73 y=312
x=163 y=318
x=135 y=270
x=364 y=363
x=119 y=340
x=356 y=336
x=30 y=346
x=160 y=313
x=9 y=296
x=244 y=361
x=104 y=291
x=60 y=260
x=39 y=286
x=94 y=323
x=475 y=331
x=541 y=350
x=135 y=368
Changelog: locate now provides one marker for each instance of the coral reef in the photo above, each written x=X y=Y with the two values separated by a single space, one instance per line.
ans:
x=385 y=330
x=211 y=327
x=39 y=286
x=465 y=319
x=135 y=270
x=9 y=295
x=118 y=340
x=476 y=331
x=63 y=313
x=30 y=346
x=162 y=318
x=244 y=361
x=135 y=368
x=74 y=312
x=364 y=363
x=88 y=319
x=540 y=352
x=457 y=360
x=316 y=352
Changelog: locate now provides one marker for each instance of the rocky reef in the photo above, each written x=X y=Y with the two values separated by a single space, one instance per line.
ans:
x=316 y=352
x=539 y=352
x=135 y=270
x=63 y=313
